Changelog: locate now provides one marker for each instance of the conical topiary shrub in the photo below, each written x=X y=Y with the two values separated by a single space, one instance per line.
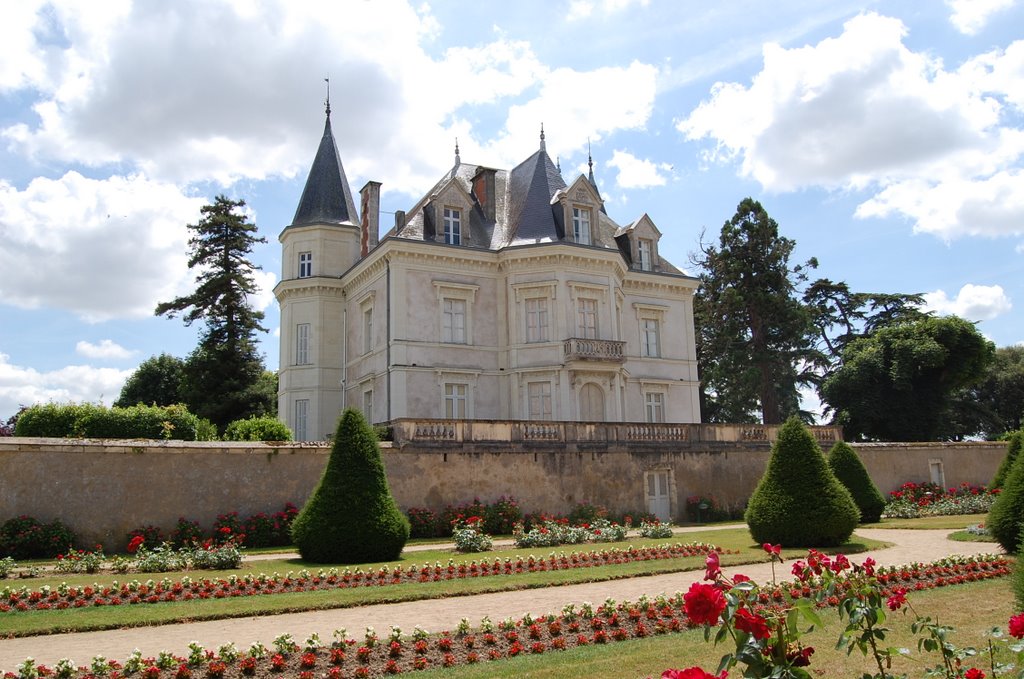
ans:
x=850 y=471
x=799 y=502
x=1006 y=517
x=351 y=516
x=1014 y=444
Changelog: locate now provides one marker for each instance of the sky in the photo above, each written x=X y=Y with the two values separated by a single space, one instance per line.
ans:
x=886 y=138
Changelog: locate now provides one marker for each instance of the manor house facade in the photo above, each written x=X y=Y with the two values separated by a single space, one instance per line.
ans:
x=500 y=295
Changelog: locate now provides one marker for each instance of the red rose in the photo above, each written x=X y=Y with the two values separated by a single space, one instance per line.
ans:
x=135 y=543
x=712 y=566
x=974 y=673
x=704 y=604
x=1017 y=626
x=752 y=623
x=692 y=673
x=898 y=598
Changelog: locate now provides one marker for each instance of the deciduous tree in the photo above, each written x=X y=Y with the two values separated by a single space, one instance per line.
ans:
x=157 y=381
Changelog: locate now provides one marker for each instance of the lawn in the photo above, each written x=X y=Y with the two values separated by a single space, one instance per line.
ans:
x=952 y=522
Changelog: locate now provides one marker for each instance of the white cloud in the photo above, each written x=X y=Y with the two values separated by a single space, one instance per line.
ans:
x=863 y=112
x=583 y=9
x=106 y=349
x=973 y=302
x=25 y=386
x=101 y=249
x=970 y=16
x=637 y=173
x=264 y=297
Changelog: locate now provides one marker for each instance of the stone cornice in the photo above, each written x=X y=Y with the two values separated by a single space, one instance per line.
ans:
x=308 y=287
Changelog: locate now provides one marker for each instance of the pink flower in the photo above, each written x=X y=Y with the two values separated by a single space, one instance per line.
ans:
x=1017 y=626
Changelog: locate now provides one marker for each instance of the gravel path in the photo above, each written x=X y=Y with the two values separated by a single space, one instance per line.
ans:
x=434 y=615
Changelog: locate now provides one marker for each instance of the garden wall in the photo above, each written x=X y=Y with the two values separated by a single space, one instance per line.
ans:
x=104 y=489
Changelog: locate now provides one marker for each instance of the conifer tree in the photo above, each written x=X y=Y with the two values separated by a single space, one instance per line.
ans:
x=1006 y=517
x=1013 y=446
x=850 y=471
x=351 y=517
x=799 y=502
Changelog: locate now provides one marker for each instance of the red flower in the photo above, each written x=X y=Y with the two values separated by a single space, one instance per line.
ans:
x=135 y=543
x=704 y=604
x=712 y=566
x=752 y=623
x=1017 y=626
x=898 y=598
x=772 y=550
x=692 y=673
x=974 y=673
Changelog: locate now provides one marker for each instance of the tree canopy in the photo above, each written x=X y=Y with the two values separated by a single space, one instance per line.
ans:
x=222 y=375
x=157 y=381
x=896 y=384
x=754 y=333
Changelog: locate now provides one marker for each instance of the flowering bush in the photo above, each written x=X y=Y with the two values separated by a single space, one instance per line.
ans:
x=655 y=529
x=150 y=535
x=912 y=500
x=585 y=512
x=603 y=530
x=261 y=530
x=213 y=556
x=79 y=561
x=227 y=528
x=470 y=536
x=186 y=532
x=422 y=522
x=24 y=537
x=502 y=515
x=7 y=565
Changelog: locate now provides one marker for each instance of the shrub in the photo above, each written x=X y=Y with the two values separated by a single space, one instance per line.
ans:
x=227 y=528
x=850 y=471
x=263 y=428
x=1007 y=513
x=1018 y=576
x=351 y=516
x=186 y=533
x=470 y=536
x=422 y=522
x=151 y=535
x=455 y=513
x=799 y=502
x=24 y=537
x=501 y=515
x=655 y=529
x=89 y=420
x=1013 y=446
x=263 y=530
x=584 y=512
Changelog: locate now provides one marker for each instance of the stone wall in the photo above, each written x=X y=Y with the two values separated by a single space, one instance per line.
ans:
x=104 y=489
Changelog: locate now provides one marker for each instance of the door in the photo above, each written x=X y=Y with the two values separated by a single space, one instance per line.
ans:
x=657 y=495
x=591 y=403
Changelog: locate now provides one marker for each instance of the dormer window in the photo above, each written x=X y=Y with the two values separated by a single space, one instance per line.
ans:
x=581 y=225
x=452 y=226
x=305 y=264
x=645 y=252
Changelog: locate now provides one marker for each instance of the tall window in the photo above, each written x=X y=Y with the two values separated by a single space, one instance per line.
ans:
x=455 y=401
x=539 y=394
x=305 y=264
x=452 y=226
x=301 y=418
x=453 y=321
x=586 y=318
x=649 y=336
x=581 y=225
x=537 y=319
x=368 y=405
x=654 y=404
x=645 y=250
x=367 y=329
x=302 y=332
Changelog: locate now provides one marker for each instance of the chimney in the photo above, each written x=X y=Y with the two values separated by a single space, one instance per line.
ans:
x=399 y=221
x=369 y=224
x=483 y=191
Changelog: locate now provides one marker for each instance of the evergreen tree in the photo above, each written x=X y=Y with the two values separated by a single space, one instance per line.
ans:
x=1013 y=446
x=1006 y=517
x=799 y=502
x=351 y=516
x=850 y=471
x=222 y=374
x=753 y=330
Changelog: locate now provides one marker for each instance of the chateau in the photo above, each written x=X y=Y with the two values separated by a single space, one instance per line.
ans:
x=500 y=295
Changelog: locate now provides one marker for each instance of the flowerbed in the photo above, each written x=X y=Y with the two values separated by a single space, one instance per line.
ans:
x=912 y=500
x=187 y=589
x=610 y=622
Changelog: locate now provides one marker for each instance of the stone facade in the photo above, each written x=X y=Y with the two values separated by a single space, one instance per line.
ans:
x=501 y=295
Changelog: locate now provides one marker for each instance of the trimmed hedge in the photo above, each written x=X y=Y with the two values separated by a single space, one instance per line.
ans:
x=89 y=420
x=850 y=471
x=1006 y=518
x=262 y=428
x=351 y=517
x=799 y=502
x=1014 y=443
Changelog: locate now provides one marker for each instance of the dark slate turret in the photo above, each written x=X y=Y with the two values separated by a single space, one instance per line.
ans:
x=532 y=185
x=327 y=198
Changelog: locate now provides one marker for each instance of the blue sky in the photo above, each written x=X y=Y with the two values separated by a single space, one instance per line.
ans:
x=886 y=138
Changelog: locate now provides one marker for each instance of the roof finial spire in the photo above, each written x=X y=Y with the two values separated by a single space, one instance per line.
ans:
x=543 y=147
x=327 y=102
x=590 y=161
x=457 y=159
x=558 y=164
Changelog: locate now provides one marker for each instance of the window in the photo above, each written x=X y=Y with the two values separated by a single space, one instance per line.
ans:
x=367 y=329
x=453 y=321
x=368 y=405
x=305 y=264
x=302 y=332
x=539 y=394
x=649 y=332
x=645 y=249
x=581 y=225
x=455 y=401
x=301 y=415
x=586 y=318
x=452 y=226
x=654 y=405
x=537 y=319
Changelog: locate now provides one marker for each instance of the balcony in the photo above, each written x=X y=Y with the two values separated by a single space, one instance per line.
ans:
x=609 y=351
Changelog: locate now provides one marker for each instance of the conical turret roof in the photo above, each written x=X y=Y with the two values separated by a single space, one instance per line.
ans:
x=327 y=198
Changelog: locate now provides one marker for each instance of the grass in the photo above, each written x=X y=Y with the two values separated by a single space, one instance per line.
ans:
x=110 y=617
x=953 y=522
x=973 y=609
x=965 y=536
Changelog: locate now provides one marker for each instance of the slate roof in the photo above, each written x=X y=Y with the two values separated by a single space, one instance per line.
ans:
x=327 y=198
